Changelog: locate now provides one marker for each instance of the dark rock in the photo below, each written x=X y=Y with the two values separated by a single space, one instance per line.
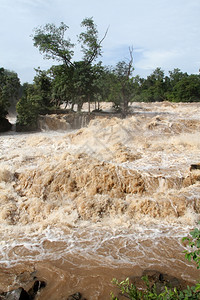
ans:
x=76 y=296
x=5 y=125
x=18 y=294
x=21 y=294
x=195 y=167
x=38 y=285
x=159 y=280
x=161 y=277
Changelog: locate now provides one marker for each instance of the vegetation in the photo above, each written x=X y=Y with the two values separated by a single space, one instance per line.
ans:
x=130 y=291
x=9 y=91
x=194 y=243
x=75 y=82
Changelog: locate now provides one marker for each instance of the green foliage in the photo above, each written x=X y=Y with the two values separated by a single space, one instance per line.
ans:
x=9 y=90
x=41 y=89
x=121 y=84
x=62 y=90
x=91 y=46
x=194 y=243
x=154 y=87
x=130 y=291
x=36 y=99
x=28 y=107
x=177 y=87
x=73 y=82
x=187 y=89
x=52 y=43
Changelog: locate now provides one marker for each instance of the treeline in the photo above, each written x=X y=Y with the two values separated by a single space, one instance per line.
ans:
x=66 y=85
x=76 y=82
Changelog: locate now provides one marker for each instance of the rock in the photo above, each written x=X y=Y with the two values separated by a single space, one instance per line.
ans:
x=195 y=167
x=38 y=285
x=21 y=294
x=18 y=294
x=76 y=296
x=5 y=125
x=158 y=279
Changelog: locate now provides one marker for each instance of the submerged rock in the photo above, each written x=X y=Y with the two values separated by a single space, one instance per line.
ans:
x=37 y=286
x=21 y=294
x=159 y=280
x=76 y=296
x=18 y=294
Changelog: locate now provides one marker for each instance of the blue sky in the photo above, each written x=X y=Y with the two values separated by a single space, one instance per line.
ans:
x=163 y=33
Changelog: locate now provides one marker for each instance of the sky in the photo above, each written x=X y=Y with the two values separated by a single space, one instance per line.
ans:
x=163 y=33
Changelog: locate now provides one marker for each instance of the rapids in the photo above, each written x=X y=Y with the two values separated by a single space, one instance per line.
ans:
x=108 y=200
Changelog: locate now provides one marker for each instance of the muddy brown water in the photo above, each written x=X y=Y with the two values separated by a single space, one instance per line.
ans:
x=110 y=200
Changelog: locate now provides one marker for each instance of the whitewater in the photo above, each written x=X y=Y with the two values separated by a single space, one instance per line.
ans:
x=79 y=207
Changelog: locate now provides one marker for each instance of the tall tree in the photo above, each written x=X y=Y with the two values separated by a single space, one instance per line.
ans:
x=187 y=89
x=154 y=87
x=9 y=90
x=52 y=43
x=36 y=99
x=124 y=83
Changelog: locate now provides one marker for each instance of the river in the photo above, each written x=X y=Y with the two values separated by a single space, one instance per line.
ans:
x=109 y=200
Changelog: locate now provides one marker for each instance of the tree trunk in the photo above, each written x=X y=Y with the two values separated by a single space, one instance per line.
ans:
x=89 y=104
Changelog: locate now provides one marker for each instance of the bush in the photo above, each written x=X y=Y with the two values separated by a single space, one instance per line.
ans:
x=130 y=291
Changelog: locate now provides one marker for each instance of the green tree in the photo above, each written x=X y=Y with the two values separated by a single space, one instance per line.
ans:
x=121 y=88
x=154 y=87
x=27 y=109
x=42 y=89
x=175 y=76
x=52 y=43
x=36 y=99
x=187 y=89
x=62 y=84
x=75 y=85
x=9 y=91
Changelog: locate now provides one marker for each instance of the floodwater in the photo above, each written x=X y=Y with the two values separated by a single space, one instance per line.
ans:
x=109 y=200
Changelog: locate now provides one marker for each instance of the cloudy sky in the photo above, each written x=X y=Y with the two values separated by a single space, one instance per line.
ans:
x=163 y=33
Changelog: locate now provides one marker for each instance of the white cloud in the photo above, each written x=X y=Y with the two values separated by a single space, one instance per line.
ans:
x=153 y=59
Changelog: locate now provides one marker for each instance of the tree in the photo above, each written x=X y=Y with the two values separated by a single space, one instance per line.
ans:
x=175 y=76
x=27 y=109
x=42 y=89
x=52 y=43
x=62 y=84
x=187 y=89
x=154 y=87
x=122 y=88
x=9 y=91
x=36 y=99
x=74 y=85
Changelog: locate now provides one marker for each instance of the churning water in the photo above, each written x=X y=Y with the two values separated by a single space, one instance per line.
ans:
x=108 y=200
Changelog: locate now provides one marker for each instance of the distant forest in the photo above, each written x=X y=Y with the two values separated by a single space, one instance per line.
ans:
x=76 y=82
